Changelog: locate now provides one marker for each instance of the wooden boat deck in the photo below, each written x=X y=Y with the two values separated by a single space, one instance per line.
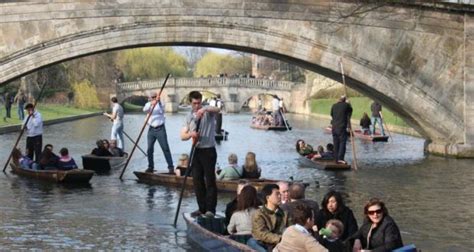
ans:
x=211 y=241
x=173 y=180
x=58 y=176
x=323 y=164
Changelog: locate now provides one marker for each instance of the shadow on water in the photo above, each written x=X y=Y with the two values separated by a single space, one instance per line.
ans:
x=429 y=197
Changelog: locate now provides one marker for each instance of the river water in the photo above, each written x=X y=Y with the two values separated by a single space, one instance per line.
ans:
x=430 y=198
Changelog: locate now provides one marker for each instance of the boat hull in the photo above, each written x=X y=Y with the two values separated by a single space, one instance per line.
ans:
x=103 y=164
x=359 y=134
x=57 y=176
x=269 y=127
x=211 y=241
x=177 y=181
x=323 y=164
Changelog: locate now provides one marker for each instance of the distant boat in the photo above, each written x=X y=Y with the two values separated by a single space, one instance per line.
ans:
x=74 y=176
x=177 y=181
x=270 y=127
x=322 y=164
x=207 y=236
x=103 y=164
x=359 y=134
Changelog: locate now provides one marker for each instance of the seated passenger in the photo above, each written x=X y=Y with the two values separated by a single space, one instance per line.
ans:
x=250 y=169
x=101 y=150
x=365 y=124
x=269 y=221
x=114 y=150
x=240 y=225
x=233 y=171
x=182 y=165
x=319 y=153
x=231 y=206
x=298 y=237
x=330 y=235
x=297 y=196
x=379 y=231
x=304 y=149
x=65 y=161
x=48 y=160
x=329 y=154
x=20 y=160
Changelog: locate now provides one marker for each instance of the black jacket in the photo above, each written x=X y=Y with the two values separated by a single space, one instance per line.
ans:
x=341 y=113
x=365 y=122
x=345 y=215
x=385 y=237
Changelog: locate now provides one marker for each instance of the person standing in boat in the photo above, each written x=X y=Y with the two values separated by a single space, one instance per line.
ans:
x=376 y=118
x=220 y=106
x=117 y=118
x=204 y=160
x=34 y=132
x=365 y=124
x=276 y=111
x=157 y=131
x=341 y=113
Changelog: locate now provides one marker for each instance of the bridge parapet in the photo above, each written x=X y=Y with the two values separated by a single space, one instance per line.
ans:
x=206 y=83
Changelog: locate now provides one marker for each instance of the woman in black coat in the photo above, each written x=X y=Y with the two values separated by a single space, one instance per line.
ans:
x=332 y=207
x=379 y=232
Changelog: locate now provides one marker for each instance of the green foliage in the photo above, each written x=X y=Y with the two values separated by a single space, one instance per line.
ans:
x=85 y=95
x=359 y=106
x=151 y=63
x=212 y=64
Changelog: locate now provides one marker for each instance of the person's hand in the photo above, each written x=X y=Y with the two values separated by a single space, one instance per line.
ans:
x=200 y=113
x=105 y=113
x=153 y=102
x=357 y=246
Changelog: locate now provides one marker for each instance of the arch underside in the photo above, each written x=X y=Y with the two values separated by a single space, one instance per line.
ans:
x=391 y=89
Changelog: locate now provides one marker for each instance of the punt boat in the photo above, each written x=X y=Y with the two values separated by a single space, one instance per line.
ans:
x=103 y=164
x=323 y=164
x=58 y=176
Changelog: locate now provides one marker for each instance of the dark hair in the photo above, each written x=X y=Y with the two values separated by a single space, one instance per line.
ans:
x=16 y=155
x=114 y=99
x=47 y=146
x=301 y=213
x=297 y=191
x=247 y=198
x=337 y=196
x=99 y=143
x=267 y=190
x=196 y=95
x=373 y=202
x=297 y=145
x=29 y=106
x=320 y=149
x=46 y=155
x=330 y=147
x=64 y=152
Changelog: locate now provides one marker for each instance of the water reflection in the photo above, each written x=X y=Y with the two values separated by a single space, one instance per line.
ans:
x=430 y=198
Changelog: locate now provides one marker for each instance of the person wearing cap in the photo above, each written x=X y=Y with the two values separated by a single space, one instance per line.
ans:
x=341 y=113
x=157 y=131
x=117 y=118
x=200 y=125
x=33 y=124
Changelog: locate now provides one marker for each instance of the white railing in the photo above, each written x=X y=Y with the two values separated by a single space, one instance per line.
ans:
x=206 y=83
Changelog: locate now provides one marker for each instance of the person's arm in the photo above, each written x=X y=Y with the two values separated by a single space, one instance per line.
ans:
x=231 y=227
x=147 y=107
x=392 y=239
x=312 y=245
x=113 y=115
x=36 y=119
x=221 y=174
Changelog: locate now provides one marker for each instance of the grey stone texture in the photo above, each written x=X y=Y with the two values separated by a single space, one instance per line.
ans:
x=415 y=60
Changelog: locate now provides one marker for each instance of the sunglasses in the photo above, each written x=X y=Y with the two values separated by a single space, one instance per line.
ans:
x=378 y=211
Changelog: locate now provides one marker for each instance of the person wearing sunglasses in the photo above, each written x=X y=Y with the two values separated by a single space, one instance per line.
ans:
x=379 y=231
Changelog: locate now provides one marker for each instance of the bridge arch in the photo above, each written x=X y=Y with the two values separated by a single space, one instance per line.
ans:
x=414 y=68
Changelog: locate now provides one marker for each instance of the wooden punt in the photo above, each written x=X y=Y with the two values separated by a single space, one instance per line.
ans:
x=269 y=127
x=222 y=136
x=58 y=176
x=209 y=240
x=173 y=180
x=323 y=164
x=102 y=164
x=359 y=134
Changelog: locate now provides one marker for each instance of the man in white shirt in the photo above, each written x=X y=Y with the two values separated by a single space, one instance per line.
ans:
x=157 y=131
x=33 y=124
x=117 y=119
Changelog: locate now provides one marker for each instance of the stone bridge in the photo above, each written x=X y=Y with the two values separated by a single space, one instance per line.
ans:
x=234 y=91
x=416 y=58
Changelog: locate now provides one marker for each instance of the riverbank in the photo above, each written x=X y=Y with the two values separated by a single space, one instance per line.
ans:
x=321 y=108
x=51 y=113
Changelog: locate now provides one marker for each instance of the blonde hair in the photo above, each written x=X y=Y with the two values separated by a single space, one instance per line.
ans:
x=250 y=162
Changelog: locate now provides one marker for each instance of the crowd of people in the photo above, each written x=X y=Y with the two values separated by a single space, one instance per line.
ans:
x=48 y=160
x=106 y=148
x=250 y=170
x=265 y=222
x=307 y=151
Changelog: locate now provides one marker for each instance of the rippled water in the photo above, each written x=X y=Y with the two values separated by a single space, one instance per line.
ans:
x=430 y=198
